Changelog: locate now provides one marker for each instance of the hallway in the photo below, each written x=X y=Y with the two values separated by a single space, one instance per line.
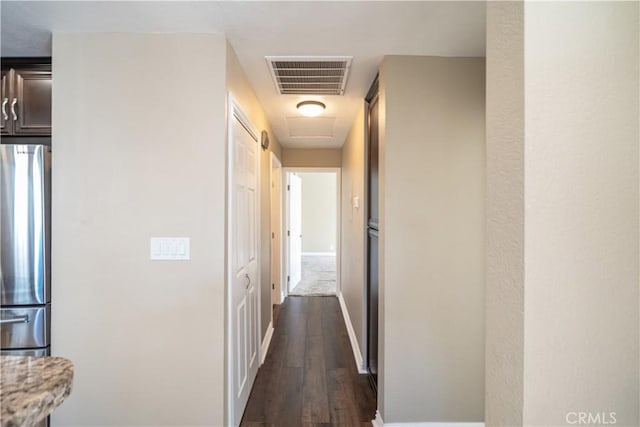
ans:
x=318 y=276
x=309 y=377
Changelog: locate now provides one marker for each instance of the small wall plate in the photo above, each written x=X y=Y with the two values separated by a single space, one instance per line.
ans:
x=264 y=140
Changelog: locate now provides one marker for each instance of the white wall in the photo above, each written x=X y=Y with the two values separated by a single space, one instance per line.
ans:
x=139 y=151
x=319 y=212
x=352 y=223
x=432 y=239
x=581 y=198
x=566 y=139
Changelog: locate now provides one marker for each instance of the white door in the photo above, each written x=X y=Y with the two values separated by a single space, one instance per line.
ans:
x=244 y=266
x=295 y=230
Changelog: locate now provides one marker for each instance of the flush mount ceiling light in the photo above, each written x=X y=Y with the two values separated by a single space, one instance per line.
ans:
x=311 y=108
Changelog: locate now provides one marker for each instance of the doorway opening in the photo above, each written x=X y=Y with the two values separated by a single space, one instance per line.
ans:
x=312 y=231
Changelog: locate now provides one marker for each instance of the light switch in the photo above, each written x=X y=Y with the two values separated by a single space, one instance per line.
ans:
x=356 y=202
x=181 y=250
x=155 y=248
x=170 y=248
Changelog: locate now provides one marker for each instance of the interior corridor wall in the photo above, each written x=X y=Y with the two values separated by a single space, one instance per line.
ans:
x=242 y=90
x=432 y=242
x=353 y=222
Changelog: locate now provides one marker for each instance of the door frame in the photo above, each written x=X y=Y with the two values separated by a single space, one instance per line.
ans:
x=277 y=294
x=285 y=223
x=373 y=95
x=235 y=110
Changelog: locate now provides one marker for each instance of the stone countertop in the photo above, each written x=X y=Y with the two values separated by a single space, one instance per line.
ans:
x=32 y=387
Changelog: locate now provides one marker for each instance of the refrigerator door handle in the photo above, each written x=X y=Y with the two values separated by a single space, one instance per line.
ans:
x=5 y=116
x=19 y=319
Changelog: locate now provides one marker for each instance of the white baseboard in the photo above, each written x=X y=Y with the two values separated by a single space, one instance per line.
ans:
x=318 y=254
x=266 y=342
x=352 y=336
x=377 y=422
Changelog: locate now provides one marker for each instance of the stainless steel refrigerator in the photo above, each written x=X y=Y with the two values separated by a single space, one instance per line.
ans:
x=25 y=249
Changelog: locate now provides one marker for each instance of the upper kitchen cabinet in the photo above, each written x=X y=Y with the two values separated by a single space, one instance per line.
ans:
x=26 y=99
x=4 y=95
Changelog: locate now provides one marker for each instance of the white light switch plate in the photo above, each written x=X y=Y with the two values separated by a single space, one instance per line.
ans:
x=170 y=248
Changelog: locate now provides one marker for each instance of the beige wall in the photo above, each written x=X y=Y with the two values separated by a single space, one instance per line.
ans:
x=319 y=212
x=505 y=214
x=239 y=86
x=276 y=203
x=305 y=158
x=352 y=221
x=573 y=213
x=581 y=198
x=433 y=156
x=139 y=151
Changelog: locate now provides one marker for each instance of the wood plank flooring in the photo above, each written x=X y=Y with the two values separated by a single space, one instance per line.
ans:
x=309 y=377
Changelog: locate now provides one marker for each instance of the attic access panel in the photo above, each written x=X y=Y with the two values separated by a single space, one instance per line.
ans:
x=310 y=75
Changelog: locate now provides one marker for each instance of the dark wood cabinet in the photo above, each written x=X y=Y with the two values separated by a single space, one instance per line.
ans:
x=4 y=97
x=26 y=100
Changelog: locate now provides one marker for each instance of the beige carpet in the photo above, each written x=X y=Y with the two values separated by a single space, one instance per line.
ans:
x=318 y=276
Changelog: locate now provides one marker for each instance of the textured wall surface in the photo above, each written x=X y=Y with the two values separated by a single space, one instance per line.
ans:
x=581 y=198
x=563 y=310
x=434 y=240
x=505 y=214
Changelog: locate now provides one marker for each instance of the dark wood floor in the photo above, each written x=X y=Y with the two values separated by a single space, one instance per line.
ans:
x=309 y=377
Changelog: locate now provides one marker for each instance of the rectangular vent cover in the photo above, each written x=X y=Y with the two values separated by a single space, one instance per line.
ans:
x=310 y=75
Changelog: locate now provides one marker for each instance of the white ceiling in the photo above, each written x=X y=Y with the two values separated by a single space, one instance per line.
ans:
x=366 y=30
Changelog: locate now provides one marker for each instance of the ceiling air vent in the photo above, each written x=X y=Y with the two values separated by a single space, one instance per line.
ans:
x=310 y=75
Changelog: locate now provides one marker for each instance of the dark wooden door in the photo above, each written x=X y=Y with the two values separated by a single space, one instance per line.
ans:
x=5 y=118
x=32 y=89
x=372 y=233
x=372 y=293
